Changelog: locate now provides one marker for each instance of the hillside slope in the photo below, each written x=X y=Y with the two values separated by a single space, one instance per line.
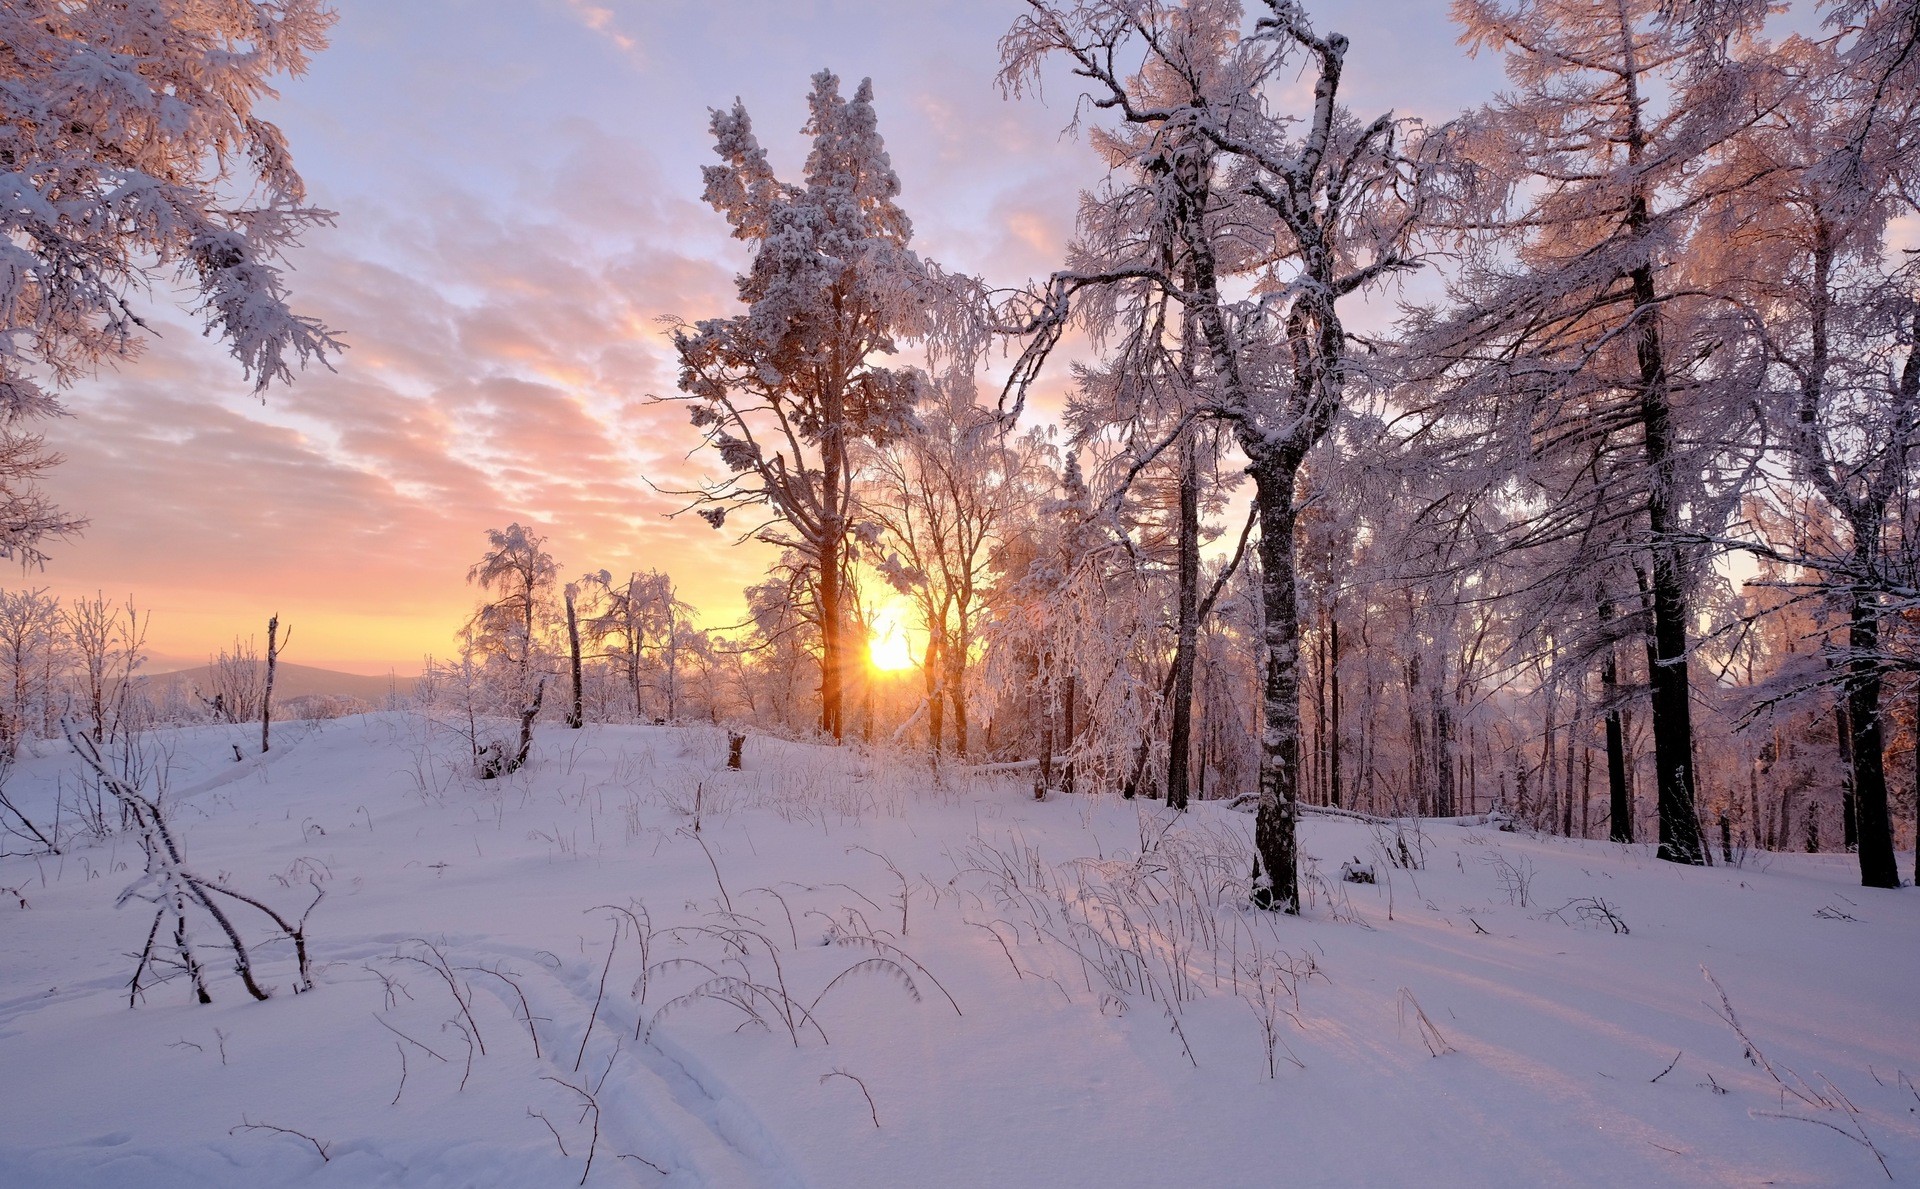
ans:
x=629 y=955
x=292 y=681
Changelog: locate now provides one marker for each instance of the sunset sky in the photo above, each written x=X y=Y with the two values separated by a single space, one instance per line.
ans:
x=518 y=196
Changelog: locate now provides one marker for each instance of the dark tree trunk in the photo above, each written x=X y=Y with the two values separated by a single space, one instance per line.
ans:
x=1333 y=697
x=266 y=698
x=1042 y=680
x=1672 y=706
x=1180 y=734
x=1875 y=830
x=1566 y=779
x=1549 y=787
x=576 y=715
x=1586 y=791
x=633 y=675
x=1066 y=710
x=1849 y=836
x=1275 y=828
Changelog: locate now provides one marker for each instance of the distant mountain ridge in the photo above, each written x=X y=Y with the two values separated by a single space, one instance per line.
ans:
x=295 y=681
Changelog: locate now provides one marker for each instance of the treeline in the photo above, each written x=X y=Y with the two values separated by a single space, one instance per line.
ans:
x=1613 y=537
x=83 y=662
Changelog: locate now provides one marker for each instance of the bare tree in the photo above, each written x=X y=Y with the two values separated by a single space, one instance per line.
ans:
x=108 y=643
x=177 y=891
x=30 y=638
x=275 y=642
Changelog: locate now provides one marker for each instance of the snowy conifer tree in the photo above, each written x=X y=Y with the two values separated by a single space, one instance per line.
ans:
x=785 y=391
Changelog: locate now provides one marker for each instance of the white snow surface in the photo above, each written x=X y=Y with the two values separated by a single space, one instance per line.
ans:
x=1105 y=974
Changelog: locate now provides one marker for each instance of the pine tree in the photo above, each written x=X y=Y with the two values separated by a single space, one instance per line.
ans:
x=785 y=392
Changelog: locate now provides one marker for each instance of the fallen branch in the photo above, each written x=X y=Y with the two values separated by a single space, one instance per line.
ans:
x=246 y=1125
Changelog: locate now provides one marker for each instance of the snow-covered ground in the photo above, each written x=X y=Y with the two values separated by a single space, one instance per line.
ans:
x=1061 y=993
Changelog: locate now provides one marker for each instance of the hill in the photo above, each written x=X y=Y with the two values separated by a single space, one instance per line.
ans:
x=627 y=965
x=294 y=681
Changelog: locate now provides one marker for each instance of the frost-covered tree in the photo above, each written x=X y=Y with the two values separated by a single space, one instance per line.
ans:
x=31 y=644
x=1601 y=373
x=1808 y=259
x=944 y=496
x=1304 y=210
x=236 y=682
x=639 y=624
x=107 y=644
x=131 y=160
x=519 y=573
x=1071 y=641
x=786 y=391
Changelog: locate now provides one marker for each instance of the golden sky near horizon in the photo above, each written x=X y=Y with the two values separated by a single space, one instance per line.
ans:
x=518 y=197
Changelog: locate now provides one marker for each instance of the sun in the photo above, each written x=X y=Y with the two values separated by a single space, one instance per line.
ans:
x=887 y=648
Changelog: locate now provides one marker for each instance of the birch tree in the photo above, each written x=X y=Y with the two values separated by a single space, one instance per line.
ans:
x=1323 y=207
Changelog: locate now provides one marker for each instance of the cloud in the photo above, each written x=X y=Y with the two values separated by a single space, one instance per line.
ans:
x=515 y=218
x=603 y=22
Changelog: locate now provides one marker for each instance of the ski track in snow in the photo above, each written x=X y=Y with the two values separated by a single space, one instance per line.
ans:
x=665 y=1092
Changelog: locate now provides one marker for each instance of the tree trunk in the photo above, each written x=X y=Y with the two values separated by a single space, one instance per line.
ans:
x=957 y=698
x=1333 y=695
x=673 y=658
x=931 y=670
x=1274 y=829
x=1619 y=804
x=633 y=668
x=266 y=698
x=1672 y=706
x=1442 y=749
x=1549 y=773
x=1066 y=776
x=1875 y=831
x=1586 y=791
x=575 y=714
x=1180 y=735
x=1849 y=836
x=830 y=642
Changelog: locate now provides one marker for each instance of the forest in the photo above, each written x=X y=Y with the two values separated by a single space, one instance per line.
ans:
x=1549 y=473
x=1604 y=524
x=1612 y=534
